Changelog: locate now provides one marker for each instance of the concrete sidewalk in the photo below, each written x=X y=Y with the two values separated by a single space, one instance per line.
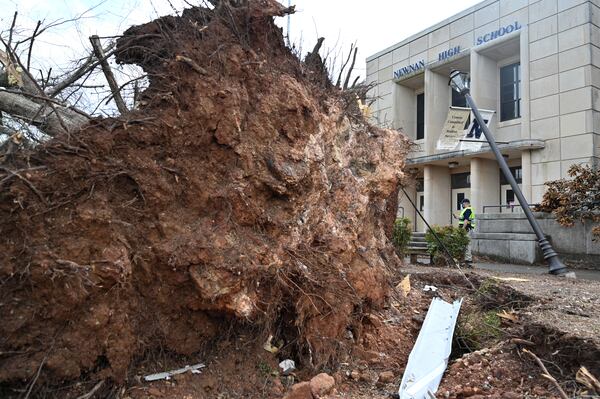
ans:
x=526 y=269
x=523 y=269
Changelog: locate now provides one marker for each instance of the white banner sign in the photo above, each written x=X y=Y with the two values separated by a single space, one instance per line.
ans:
x=456 y=135
x=474 y=137
x=454 y=128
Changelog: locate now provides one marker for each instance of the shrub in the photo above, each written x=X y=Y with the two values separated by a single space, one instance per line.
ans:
x=575 y=199
x=454 y=238
x=402 y=234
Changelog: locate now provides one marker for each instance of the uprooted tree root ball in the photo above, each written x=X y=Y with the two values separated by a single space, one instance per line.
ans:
x=243 y=190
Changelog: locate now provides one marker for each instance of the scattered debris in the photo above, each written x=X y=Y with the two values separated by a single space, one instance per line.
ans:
x=287 y=366
x=431 y=288
x=507 y=316
x=546 y=374
x=520 y=341
x=586 y=378
x=269 y=347
x=404 y=285
x=429 y=357
x=195 y=369
x=519 y=279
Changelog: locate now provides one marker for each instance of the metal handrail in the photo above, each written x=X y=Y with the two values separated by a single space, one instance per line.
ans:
x=507 y=206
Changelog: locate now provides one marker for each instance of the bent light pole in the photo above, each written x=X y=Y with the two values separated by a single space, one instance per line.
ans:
x=459 y=82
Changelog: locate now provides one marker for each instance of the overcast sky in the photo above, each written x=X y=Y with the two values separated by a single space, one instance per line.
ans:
x=373 y=24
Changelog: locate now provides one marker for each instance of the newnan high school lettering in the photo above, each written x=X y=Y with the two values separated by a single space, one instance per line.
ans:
x=409 y=69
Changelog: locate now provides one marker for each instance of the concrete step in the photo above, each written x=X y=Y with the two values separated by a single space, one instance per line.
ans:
x=420 y=250
x=417 y=244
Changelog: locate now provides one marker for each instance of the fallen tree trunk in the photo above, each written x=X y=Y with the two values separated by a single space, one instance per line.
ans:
x=39 y=113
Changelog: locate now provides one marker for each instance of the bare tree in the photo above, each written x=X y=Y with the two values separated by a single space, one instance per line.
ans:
x=36 y=103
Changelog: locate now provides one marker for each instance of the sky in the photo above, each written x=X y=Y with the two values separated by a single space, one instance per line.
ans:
x=373 y=25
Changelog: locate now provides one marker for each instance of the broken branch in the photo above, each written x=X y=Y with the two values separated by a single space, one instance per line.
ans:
x=546 y=374
x=110 y=78
x=37 y=27
x=192 y=64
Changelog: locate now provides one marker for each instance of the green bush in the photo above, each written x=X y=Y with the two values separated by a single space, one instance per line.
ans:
x=454 y=238
x=402 y=234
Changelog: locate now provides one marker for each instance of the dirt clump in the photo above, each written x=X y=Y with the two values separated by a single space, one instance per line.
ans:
x=243 y=192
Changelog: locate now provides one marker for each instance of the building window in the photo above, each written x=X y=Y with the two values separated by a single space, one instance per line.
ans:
x=459 y=199
x=460 y=180
x=510 y=92
x=421 y=203
x=517 y=172
x=510 y=197
x=420 y=116
x=420 y=185
x=458 y=100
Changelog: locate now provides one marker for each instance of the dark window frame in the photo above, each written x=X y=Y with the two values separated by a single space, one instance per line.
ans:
x=460 y=180
x=517 y=172
x=458 y=100
x=459 y=198
x=510 y=92
x=420 y=116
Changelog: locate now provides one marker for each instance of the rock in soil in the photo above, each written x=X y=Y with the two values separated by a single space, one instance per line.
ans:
x=386 y=377
x=301 y=390
x=321 y=384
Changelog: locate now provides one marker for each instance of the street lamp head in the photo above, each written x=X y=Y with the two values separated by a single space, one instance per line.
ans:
x=459 y=81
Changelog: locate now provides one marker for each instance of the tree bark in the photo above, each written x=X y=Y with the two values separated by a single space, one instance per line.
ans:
x=41 y=115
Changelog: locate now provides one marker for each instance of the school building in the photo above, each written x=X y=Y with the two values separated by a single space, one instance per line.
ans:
x=535 y=63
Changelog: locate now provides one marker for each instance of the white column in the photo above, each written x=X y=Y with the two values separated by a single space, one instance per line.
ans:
x=526 y=167
x=405 y=110
x=438 y=195
x=437 y=100
x=485 y=183
x=484 y=83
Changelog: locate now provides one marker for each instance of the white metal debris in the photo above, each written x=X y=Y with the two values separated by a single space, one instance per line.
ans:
x=195 y=369
x=287 y=366
x=429 y=357
x=432 y=288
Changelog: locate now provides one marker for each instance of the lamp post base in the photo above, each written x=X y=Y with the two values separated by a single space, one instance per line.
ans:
x=555 y=266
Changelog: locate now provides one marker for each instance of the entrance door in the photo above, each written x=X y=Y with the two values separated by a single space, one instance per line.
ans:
x=458 y=194
x=508 y=200
x=420 y=226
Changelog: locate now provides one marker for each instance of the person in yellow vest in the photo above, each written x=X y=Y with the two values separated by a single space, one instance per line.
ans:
x=466 y=220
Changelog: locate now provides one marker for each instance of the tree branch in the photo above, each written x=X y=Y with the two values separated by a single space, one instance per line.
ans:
x=90 y=63
x=338 y=83
x=110 y=78
x=31 y=44
x=347 y=81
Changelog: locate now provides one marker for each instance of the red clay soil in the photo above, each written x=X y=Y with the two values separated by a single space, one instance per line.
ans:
x=243 y=193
